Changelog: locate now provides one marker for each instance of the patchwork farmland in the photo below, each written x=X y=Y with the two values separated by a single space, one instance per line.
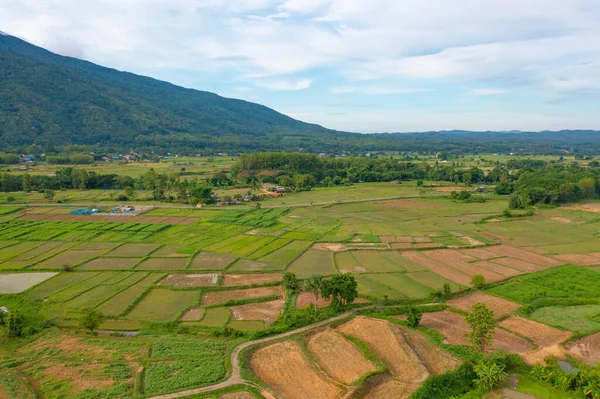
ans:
x=178 y=297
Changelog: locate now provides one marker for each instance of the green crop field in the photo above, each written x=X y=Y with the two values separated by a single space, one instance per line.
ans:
x=121 y=302
x=313 y=262
x=286 y=254
x=582 y=318
x=163 y=305
x=395 y=286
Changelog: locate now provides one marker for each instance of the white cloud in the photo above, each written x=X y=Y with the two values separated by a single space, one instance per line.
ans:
x=284 y=85
x=377 y=90
x=487 y=92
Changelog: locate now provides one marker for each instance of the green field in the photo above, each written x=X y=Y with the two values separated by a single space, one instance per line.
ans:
x=163 y=305
x=313 y=262
x=583 y=318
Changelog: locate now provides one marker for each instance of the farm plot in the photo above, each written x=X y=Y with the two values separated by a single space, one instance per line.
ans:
x=57 y=284
x=211 y=261
x=232 y=280
x=266 y=312
x=109 y=264
x=390 y=347
x=169 y=251
x=586 y=349
x=432 y=280
x=313 y=262
x=560 y=282
x=308 y=298
x=339 y=357
x=459 y=261
x=454 y=327
x=121 y=302
x=385 y=261
x=94 y=296
x=347 y=263
x=76 y=289
x=526 y=256
x=190 y=280
x=498 y=305
x=392 y=389
x=215 y=317
x=14 y=265
x=517 y=264
x=193 y=314
x=573 y=318
x=18 y=282
x=285 y=368
x=541 y=334
x=579 y=259
x=218 y=297
x=163 y=264
x=95 y=245
x=38 y=250
x=163 y=305
x=177 y=375
x=70 y=258
x=18 y=249
x=439 y=268
x=133 y=250
x=286 y=254
x=497 y=268
x=250 y=265
x=394 y=285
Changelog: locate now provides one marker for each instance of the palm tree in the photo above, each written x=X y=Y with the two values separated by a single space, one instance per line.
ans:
x=314 y=284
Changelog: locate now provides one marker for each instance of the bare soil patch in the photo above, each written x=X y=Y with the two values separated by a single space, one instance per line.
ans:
x=421 y=239
x=194 y=314
x=387 y=239
x=330 y=246
x=266 y=311
x=595 y=208
x=472 y=241
x=586 y=349
x=426 y=245
x=521 y=254
x=214 y=298
x=480 y=253
x=308 y=298
x=579 y=259
x=541 y=334
x=499 y=306
x=404 y=239
x=190 y=280
x=562 y=220
x=388 y=346
x=392 y=389
x=14 y=283
x=439 y=268
x=232 y=280
x=518 y=264
x=436 y=360
x=338 y=357
x=460 y=261
x=285 y=368
x=497 y=268
x=400 y=245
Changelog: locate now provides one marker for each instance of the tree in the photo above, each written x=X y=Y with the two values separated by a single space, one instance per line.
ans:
x=14 y=324
x=27 y=182
x=49 y=194
x=481 y=321
x=315 y=284
x=90 y=319
x=489 y=375
x=290 y=282
x=478 y=281
x=129 y=192
x=447 y=288
x=258 y=205
x=413 y=316
x=341 y=289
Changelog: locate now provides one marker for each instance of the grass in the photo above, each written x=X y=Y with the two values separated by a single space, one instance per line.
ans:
x=121 y=302
x=559 y=282
x=432 y=280
x=179 y=348
x=380 y=261
x=313 y=262
x=572 y=318
x=395 y=286
x=541 y=390
x=163 y=305
x=286 y=254
x=247 y=325
x=215 y=317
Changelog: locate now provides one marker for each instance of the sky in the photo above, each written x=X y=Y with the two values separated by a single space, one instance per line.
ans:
x=353 y=65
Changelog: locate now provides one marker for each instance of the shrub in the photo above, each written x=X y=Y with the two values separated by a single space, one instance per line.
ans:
x=478 y=281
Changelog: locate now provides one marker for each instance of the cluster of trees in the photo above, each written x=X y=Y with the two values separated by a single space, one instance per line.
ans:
x=70 y=159
x=341 y=288
x=306 y=170
x=550 y=184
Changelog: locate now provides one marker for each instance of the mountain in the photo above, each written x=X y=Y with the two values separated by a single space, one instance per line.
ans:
x=56 y=101
x=47 y=98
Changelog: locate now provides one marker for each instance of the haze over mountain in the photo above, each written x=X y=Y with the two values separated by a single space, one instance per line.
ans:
x=54 y=100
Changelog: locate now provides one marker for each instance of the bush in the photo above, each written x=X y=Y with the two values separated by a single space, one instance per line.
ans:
x=478 y=281
x=14 y=323
x=413 y=316
x=447 y=385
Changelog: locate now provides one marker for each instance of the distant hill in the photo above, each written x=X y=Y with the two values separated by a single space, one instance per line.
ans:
x=57 y=101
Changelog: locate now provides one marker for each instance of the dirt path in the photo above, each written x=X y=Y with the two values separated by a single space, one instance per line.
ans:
x=236 y=378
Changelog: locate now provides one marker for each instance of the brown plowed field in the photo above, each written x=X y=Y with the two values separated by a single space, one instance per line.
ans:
x=498 y=305
x=427 y=245
x=237 y=395
x=579 y=259
x=454 y=327
x=392 y=389
x=211 y=261
x=338 y=357
x=190 y=280
x=386 y=239
x=214 y=298
x=266 y=311
x=404 y=239
x=285 y=368
x=194 y=314
x=421 y=239
x=436 y=360
x=541 y=334
x=388 y=346
x=480 y=253
x=459 y=261
x=400 y=245
x=586 y=349
x=538 y=251
x=518 y=264
x=232 y=280
x=439 y=268
x=525 y=255
x=497 y=268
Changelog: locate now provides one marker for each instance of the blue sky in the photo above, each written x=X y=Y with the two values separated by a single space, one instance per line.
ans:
x=355 y=65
